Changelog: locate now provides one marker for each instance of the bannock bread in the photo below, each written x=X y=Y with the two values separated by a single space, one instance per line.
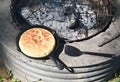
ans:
x=37 y=42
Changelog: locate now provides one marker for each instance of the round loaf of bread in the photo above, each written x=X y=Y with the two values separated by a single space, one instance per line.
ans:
x=37 y=42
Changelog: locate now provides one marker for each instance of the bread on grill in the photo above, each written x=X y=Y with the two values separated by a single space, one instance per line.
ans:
x=37 y=42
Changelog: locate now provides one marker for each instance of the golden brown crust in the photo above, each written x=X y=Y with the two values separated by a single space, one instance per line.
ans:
x=37 y=42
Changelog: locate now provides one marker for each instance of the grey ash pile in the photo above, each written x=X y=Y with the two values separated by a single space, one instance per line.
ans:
x=69 y=18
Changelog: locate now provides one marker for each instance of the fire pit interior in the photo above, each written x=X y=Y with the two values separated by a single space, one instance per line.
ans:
x=73 y=20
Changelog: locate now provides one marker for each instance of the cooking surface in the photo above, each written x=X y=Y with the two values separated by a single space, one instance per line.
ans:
x=71 y=54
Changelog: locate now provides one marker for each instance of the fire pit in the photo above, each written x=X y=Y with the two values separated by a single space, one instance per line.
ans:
x=82 y=24
x=73 y=20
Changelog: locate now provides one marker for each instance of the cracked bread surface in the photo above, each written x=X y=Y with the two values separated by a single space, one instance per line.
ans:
x=37 y=42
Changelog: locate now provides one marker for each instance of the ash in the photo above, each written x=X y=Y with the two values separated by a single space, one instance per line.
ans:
x=61 y=17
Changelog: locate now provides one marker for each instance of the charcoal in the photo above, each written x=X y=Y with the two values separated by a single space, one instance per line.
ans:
x=60 y=16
